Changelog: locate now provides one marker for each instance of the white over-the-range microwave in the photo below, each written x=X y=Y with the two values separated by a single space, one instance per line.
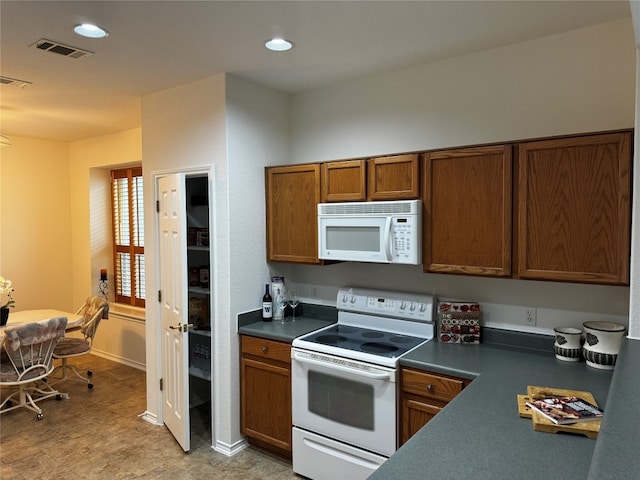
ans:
x=381 y=232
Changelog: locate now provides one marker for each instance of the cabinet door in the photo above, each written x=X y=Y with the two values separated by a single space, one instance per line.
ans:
x=292 y=196
x=415 y=415
x=344 y=181
x=394 y=178
x=424 y=394
x=430 y=386
x=468 y=216
x=266 y=393
x=574 y=209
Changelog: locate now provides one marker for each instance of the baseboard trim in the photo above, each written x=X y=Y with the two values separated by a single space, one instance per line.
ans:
x=230 y=449
x=150 y=417
x=118 y=359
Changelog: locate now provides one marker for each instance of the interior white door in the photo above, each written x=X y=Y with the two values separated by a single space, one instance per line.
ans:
x=173 y=280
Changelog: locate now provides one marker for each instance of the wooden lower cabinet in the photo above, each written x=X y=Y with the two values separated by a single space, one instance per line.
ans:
x=265 y=391
x=423 y=395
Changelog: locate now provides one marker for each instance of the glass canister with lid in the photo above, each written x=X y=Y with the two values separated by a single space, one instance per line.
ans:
x=277 y=294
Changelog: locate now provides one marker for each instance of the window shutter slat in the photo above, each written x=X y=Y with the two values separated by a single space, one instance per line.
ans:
x=128 y=234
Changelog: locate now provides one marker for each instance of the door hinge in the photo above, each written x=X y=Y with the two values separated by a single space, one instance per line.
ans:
x=161 y=384
x=158 y=206
x=159 y=296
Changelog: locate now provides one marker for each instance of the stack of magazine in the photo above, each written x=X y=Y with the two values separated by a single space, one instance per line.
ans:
x=564 y=410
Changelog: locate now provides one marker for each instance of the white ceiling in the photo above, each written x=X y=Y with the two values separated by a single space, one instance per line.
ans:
x=155 y=45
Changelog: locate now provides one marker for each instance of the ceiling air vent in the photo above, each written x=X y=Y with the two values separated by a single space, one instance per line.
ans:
x=61 y=49
x=14 y=82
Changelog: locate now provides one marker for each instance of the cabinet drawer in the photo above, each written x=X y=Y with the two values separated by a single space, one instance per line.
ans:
x=430 y=385
x=268 y=349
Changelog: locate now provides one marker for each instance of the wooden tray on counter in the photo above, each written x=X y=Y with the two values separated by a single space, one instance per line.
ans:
x=541 y=424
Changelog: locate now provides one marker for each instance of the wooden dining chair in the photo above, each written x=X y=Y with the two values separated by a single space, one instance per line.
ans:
x=26 y=361
x=93 y=311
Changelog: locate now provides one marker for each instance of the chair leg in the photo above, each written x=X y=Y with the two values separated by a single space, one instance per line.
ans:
x=27 y=396
x=65 y=368
x=9 y=403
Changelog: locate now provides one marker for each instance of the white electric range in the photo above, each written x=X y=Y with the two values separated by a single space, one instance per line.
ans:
x=344 y=382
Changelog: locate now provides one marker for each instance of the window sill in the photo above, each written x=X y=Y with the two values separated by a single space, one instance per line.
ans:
x=126 y=311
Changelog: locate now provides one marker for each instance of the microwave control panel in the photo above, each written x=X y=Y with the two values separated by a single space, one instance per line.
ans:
x=403 y=240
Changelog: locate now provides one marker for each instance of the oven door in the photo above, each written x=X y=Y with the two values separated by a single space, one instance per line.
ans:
x=346 y=400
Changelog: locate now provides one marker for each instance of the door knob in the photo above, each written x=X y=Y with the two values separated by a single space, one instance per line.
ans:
x=181 y=326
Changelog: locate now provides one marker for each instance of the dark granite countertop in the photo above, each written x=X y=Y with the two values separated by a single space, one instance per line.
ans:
x=313 y=318
x=616 y=454
x=479 y=435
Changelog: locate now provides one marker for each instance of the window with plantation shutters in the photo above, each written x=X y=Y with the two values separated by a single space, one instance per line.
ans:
x=128 y=236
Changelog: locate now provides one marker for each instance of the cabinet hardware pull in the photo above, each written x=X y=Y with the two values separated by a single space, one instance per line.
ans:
x=264 y=349
x=430 y=388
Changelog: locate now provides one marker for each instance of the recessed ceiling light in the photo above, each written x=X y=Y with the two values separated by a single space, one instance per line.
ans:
x=90 y=30
x=278 y=44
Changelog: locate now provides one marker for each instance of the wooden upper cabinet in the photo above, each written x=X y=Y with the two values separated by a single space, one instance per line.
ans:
x=467 y=221
x=394 y=178
x=344 y=181
x=382 y=178
x=574 y=209
x=292 y=195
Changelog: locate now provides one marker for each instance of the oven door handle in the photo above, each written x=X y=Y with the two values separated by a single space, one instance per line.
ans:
x=331 y=366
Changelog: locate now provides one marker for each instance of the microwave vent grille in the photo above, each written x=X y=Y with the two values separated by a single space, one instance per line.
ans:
x=366 y=208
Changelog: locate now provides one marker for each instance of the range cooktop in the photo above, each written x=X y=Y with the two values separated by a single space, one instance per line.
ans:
x=360 y=339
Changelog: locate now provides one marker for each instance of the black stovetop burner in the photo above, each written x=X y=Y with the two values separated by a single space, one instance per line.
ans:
x=360 y=339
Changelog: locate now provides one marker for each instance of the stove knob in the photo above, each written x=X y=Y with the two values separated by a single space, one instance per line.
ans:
x=403 y=305
x=412 y=307
x=423 y=307
x=353 y=299
x=344 y=299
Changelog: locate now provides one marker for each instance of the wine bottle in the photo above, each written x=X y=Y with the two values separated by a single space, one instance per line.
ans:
x=267 y=305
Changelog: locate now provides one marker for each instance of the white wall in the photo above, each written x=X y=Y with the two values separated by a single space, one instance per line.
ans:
x=36 y=252
x=238 y=127
x=257 y=135
x=120 y=338
x=182 y=128
x=575 y=82
x=569 y=83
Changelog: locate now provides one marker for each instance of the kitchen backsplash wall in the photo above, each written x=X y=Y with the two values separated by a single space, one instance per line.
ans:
x=503 y=301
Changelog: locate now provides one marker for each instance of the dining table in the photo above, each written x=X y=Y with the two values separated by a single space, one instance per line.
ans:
x=30 y=316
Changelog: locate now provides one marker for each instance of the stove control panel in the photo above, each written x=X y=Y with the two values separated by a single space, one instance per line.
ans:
x=415 y=306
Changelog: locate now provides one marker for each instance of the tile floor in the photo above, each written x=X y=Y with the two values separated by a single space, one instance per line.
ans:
x=97 y=434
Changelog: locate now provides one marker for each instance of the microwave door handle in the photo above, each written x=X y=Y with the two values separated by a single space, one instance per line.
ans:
x=387 y=240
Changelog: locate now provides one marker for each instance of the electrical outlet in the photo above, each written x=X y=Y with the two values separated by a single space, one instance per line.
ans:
x=530 y=316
